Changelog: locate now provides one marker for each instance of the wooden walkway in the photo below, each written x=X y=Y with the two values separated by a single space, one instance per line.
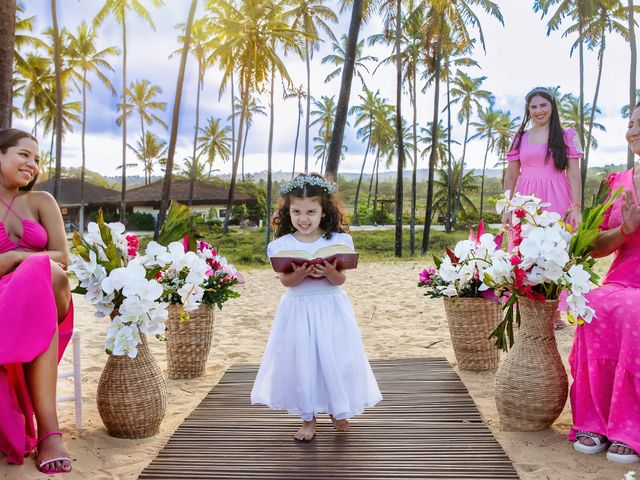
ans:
x=426 y=427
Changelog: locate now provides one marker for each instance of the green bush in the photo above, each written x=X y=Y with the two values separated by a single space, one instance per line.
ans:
x=139 y=221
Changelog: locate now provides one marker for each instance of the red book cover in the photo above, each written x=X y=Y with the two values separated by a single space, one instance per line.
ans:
x=282 y=262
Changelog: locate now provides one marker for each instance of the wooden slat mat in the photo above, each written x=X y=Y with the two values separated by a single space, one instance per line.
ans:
x=426 y=427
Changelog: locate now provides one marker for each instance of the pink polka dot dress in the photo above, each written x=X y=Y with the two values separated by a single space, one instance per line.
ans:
x=605 y=358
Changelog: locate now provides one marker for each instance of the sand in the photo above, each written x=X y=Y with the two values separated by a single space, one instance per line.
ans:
x=396 y=320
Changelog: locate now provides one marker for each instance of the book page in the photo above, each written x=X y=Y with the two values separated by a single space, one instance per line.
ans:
x=294 y=254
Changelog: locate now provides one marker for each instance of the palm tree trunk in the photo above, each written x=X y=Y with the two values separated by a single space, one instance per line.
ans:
x=123 y=193
x=175 y=120
x=269 y=153
x=414 y=175
x=236 y=161
x=58 y=121
x=356 y=221
x=337 y=135
x=484 y=166
x=192 y=180
x=233 y=119
x=244 y=146
x=587 y=146
x=295 y=147
x=433 y=156
x=399 y=133
x=306 y=136
x=7 y=40
x=373 y=173
x=375 y=194
x=583 y=169
x=456 y=206
x=82 y=170
x=632 y=74
x=447 y=221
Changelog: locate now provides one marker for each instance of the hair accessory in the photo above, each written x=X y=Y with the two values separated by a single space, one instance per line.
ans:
x=539 y=90
x=301 y=180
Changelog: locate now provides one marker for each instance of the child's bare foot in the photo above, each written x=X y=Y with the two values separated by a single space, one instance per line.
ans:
x=306 y=432
x=340 y=425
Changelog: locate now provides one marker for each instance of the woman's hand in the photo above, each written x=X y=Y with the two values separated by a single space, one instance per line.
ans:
x=576 y=214
x=7 y=262
x=630 y=214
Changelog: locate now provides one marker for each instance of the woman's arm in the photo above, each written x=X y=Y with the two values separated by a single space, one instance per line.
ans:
x=575 y=184
x=51 y=219
x=611 y=240
x=510 y=181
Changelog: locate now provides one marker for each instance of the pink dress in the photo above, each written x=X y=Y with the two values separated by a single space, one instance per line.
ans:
x=605 y=358
x=28 y=319
x=543 y=179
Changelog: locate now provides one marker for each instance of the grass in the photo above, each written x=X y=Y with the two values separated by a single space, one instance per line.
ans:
x=246 y=248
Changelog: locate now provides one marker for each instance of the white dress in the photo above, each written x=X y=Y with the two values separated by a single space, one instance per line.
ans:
x=314 y=360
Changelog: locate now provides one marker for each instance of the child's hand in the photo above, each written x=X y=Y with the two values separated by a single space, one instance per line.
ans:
x=325 y=269
x=303 y=270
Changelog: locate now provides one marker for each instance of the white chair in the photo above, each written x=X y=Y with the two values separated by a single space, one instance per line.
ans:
x=77 y=381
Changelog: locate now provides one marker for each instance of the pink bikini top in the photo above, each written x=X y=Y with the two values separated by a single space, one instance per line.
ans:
x=34 y=236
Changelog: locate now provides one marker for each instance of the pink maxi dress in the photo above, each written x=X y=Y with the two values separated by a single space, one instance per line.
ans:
x=541 y=178
x=28 y=319
x=605 y=358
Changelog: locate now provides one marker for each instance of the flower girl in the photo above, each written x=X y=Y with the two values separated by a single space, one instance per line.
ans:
x=314 y=360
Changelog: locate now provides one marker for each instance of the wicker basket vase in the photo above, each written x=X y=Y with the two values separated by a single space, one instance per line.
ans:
x=132 y=394
x=189 y=342
x=531 y=381
x=471 y=321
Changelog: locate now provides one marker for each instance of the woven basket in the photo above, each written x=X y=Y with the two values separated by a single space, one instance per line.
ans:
x=531 y=381
x=471 y=321
x=189 y=342
x=132 y=394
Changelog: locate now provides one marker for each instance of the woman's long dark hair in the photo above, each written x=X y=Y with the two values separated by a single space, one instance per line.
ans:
x=556 y=148
x=334 y=219
x=9 y=137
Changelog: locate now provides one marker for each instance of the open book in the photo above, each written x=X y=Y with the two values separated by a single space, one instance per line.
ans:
x=283 y=260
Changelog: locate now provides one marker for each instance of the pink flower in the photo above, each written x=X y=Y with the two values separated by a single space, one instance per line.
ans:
x=520 y=213
x=132 y=245
x=515 y=260
x=426 y=274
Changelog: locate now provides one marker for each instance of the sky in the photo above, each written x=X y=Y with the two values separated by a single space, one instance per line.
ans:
x=518 y=57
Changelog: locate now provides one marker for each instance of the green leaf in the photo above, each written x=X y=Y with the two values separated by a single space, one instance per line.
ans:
x=180 y=222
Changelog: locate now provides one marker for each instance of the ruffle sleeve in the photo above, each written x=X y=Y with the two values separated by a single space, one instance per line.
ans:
x=514 y=153
x=572 y=142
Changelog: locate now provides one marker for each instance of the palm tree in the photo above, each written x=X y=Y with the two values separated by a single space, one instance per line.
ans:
x=149 y=150
x=84 y=56
x=214 y=142
x=467 y=92
x=338 y=56
x=447 y=20
x=442 y=146
x=506 y=129
x=310 y=16
x=57 y=62
x=37 y=94
x=324 y=114
x=570 y=115
x=201 y=46
x=299 y=93
x=7 y=39
x=119 y=9
x=624 y=111
x=487 y=126
x=175 y=120
x=193 y=169
x=365 y=113
x=255 y=108
x=442 y=183
x=632 y=70
x=23 y=27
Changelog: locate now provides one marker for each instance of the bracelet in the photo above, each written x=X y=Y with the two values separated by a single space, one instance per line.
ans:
x=623 y=233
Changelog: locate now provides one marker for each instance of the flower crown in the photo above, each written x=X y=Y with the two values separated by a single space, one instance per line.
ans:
x=301 y=180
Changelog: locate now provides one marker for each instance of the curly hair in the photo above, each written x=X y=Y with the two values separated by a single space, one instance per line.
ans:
x=333 y=221
x=9 y=137
x=556 y=148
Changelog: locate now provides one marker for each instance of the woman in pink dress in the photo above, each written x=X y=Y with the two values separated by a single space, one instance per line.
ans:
x=605 y=358
x=544 y=160
x=36 y=316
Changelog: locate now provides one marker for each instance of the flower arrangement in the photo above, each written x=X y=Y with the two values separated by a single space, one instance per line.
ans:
x=460 y=273
x=547 y=257
x=113 y=278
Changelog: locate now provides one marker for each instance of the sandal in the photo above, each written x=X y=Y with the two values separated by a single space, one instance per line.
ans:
x=598 y=447
x=622 y=457
x=51 y=460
